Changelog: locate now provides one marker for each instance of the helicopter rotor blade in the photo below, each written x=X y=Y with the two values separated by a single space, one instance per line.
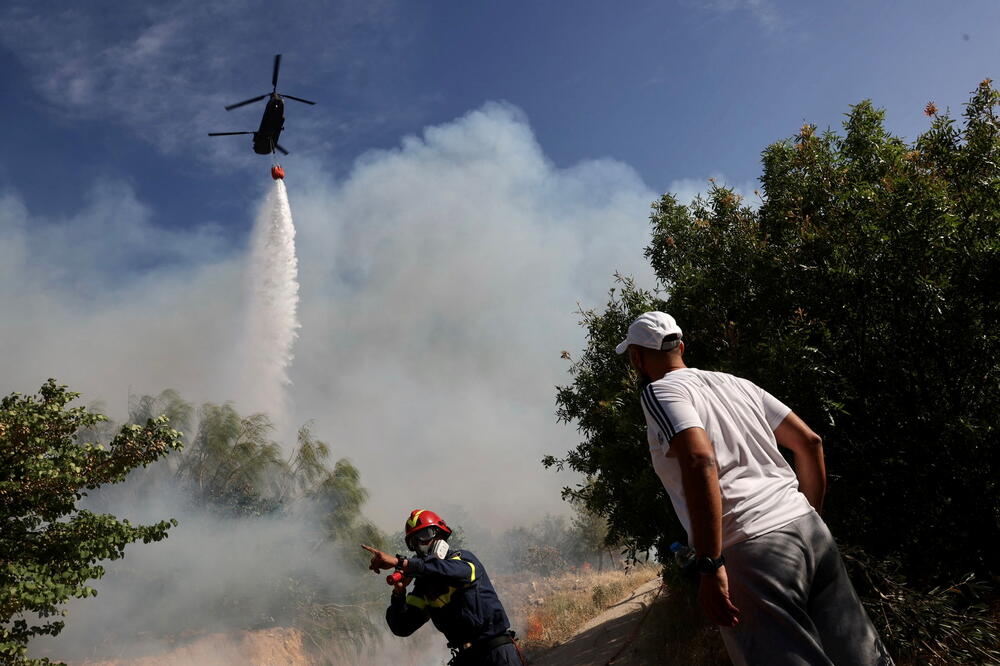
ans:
x=245 y=102
x=227 y=133
x=277 y=66
x=298 y=99
x=283 y=151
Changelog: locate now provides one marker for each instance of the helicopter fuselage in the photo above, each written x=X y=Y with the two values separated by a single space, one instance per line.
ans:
x=265 y=139
x=271 y=124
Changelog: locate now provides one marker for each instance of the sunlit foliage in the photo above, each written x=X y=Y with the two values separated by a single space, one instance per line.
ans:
x=49 y=547
x=863 y=291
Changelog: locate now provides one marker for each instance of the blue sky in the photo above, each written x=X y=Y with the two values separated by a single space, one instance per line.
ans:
x=472 y=173
x=675 y=89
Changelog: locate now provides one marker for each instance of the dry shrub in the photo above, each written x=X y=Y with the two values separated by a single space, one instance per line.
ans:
x=575 y=598
x=947 y=624
x=603 y=595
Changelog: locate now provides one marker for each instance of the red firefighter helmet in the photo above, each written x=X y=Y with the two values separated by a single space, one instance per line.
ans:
x=421 y=519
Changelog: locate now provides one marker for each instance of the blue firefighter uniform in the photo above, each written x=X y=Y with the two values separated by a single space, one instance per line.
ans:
x=456 y=595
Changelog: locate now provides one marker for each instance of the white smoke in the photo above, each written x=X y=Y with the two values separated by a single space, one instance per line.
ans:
x=438 y=288
x=439 y=283
x=271 y=320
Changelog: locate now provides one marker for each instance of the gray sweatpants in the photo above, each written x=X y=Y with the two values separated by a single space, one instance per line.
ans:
x=797 y=605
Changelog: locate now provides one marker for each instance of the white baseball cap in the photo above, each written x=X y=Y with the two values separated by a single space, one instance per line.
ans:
x=653 y=330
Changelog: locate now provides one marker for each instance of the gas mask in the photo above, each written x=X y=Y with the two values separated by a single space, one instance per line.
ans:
x=438 y=548
x=425 y=542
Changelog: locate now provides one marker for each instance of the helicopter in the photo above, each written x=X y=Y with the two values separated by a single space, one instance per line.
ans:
x=265 y=139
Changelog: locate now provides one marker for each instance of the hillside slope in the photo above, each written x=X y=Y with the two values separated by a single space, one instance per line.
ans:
x=265 y=647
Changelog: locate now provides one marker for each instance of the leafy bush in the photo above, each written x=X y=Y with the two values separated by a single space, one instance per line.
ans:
x=300 y=514
x=234 y=468
x=863 y=293
x=950 y=624
x=49 y=547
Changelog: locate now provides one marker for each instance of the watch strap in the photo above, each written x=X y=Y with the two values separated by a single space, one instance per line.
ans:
x=709 y=565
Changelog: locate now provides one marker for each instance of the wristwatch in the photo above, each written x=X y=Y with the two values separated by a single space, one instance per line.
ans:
x=400 y=559
x=709 y=565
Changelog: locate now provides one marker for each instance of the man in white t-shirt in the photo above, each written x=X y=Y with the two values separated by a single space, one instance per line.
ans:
x=771 y=575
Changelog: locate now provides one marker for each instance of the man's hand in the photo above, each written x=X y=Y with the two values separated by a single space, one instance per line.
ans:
x=380 y=560
x=713 y=595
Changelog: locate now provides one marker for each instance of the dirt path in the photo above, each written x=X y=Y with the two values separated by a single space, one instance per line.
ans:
x=606 y=636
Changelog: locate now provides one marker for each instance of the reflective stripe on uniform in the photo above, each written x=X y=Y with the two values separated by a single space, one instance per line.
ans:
x=439 y=601
x=472 y=575
x=414 y=600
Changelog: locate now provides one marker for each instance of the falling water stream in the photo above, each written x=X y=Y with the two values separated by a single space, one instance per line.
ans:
x=271 y=320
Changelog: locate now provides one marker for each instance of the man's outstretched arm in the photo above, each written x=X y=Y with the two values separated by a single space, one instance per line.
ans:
x=810 y=468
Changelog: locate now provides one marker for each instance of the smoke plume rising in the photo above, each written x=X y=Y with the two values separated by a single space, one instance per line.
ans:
x=438 y=287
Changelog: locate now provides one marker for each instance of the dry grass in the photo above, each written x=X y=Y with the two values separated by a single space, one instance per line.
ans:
x=549 y=611
x=675 y=632
x=555 y=608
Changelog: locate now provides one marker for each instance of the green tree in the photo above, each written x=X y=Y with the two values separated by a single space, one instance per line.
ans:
x=168 y=404
x=232 y=464
x=49 y=548
x=339 y=498
x=233 y=467
x=589 y=535
x=603 y=403
x=864 y=293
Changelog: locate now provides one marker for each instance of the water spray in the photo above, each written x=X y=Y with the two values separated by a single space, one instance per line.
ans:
x=271 y=321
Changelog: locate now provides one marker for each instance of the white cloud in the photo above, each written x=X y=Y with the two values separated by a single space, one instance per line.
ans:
x=166 y=71
x=764 y=12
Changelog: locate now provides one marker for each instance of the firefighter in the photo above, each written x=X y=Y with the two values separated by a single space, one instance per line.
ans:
x=452 y=590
